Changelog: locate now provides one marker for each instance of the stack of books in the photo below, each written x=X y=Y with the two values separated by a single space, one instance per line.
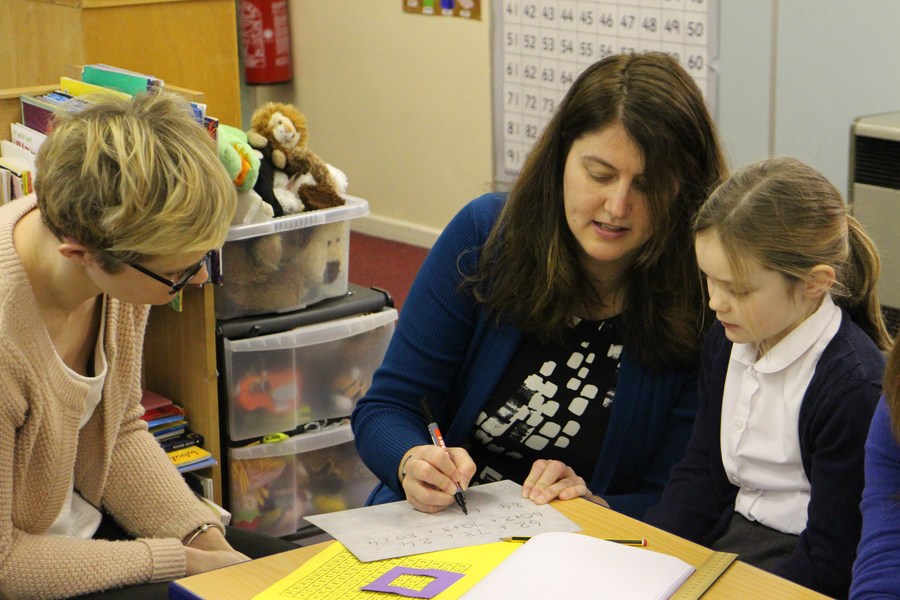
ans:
x=17 y=173
x=17 y=170
x=166 y=421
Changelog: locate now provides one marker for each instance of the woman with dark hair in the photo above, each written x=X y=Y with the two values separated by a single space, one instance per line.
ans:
x=556 y=330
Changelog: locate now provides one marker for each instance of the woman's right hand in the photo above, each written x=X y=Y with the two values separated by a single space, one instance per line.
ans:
x=201 y=561
x=431 y=475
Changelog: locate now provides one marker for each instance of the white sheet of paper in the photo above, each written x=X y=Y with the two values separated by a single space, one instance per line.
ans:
x=570 y=565
x=496 y=510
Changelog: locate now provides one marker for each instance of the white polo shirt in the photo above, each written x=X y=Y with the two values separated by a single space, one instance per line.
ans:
x=760 y=417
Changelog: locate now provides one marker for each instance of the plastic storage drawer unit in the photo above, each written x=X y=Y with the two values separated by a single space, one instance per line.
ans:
x=277 y=382
x=274 y=485
x=287 y=263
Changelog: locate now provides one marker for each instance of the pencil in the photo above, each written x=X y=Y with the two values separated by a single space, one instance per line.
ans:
x=634 y=542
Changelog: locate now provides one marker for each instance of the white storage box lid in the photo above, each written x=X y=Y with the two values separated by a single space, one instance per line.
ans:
x=303 y=442
x=355 y=207
x=318 y=333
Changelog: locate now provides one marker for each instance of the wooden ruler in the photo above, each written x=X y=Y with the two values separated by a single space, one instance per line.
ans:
x=705 y=575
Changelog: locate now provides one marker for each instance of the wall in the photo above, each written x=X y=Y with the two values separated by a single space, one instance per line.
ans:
x=794 y=74
x=402 y=102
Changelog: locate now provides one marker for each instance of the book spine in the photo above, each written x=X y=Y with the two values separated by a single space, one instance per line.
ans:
x=129 y=83
x=180 y=442
x=36 y=115
x=25 y=137
x=196 y=466
x=188 y=455
x=81 y=88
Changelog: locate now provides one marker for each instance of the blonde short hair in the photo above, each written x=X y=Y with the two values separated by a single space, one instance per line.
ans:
x=134 y=179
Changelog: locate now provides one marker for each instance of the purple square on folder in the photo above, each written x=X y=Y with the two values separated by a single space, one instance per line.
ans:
x=442 y=580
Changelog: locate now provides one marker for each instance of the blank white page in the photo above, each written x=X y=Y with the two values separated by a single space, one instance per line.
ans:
x=570 y=565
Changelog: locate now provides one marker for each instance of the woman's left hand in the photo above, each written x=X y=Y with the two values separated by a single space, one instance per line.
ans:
x=552 y=479
x=214 y=540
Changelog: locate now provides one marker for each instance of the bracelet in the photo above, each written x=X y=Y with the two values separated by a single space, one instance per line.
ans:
x=403 y=467
x=202 y=529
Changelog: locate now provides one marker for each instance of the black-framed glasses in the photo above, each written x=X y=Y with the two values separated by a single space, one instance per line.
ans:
x=182 y=280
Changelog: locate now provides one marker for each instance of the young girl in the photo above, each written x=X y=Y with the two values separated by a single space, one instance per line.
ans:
x=790 y=377
x=876 y=572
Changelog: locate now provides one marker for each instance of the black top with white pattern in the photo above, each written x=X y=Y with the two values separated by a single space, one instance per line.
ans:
x=552 y=402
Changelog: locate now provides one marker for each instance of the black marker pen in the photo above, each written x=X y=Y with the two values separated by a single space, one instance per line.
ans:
x=438 y=440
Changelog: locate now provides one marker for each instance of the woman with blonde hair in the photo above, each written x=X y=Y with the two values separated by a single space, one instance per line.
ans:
x=130 y=199
x=791 y=374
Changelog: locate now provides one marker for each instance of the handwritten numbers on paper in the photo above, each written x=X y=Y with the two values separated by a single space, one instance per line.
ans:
x=519 y=520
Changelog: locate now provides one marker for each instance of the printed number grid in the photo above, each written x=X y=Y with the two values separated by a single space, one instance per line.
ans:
x=545 y=44
x=340 y=577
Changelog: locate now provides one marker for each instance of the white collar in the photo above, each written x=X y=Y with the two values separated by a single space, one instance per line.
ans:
x=793 y=345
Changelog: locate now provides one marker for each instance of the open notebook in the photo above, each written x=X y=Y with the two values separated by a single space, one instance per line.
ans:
x=570 y=565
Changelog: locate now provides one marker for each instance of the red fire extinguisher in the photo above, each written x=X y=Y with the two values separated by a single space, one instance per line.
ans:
x=265 y=41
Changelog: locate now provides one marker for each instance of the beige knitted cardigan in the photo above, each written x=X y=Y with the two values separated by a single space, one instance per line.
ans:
x=118 y=466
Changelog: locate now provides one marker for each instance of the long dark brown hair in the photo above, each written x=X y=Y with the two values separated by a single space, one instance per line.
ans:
x=528 y=271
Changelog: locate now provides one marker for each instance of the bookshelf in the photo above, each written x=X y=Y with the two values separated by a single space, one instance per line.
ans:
x=186 y=43
x=180 y=348
x=189 y=44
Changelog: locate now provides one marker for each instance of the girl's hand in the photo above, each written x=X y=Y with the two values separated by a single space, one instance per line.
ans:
x=429 y=476
x=552 y=479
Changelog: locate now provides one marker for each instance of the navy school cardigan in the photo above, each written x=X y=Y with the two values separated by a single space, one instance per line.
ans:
x=837 y=407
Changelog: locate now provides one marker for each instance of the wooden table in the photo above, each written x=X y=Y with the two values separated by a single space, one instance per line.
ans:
x=243 y=581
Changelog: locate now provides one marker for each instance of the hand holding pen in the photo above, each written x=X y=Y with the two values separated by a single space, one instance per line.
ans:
x=438 y=441
x=433 y=476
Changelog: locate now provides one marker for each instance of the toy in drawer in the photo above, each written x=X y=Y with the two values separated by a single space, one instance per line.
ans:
x=277 y=382
x=287 y=263
x=274 y=485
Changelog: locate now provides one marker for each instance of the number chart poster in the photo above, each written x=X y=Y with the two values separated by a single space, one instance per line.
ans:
x=541 y=46
x=467 y=9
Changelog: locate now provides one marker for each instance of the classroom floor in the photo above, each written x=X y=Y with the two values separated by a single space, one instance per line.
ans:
x=385 y=264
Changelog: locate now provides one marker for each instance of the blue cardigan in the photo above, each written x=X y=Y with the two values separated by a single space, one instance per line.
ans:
x=445 y=348
x=698 y=501
x=876 y=572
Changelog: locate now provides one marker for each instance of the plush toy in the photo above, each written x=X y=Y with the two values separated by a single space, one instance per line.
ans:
x=347 y=388
x=238 y=156
x=272 y=186
x=328 y=487
x=252 y=480
x=322 y=263
x=284 y=270
x=242 y=164
x=264 y=274
x=315 y=196
x=272 y=391
x=280 y=131
x=287 y=269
